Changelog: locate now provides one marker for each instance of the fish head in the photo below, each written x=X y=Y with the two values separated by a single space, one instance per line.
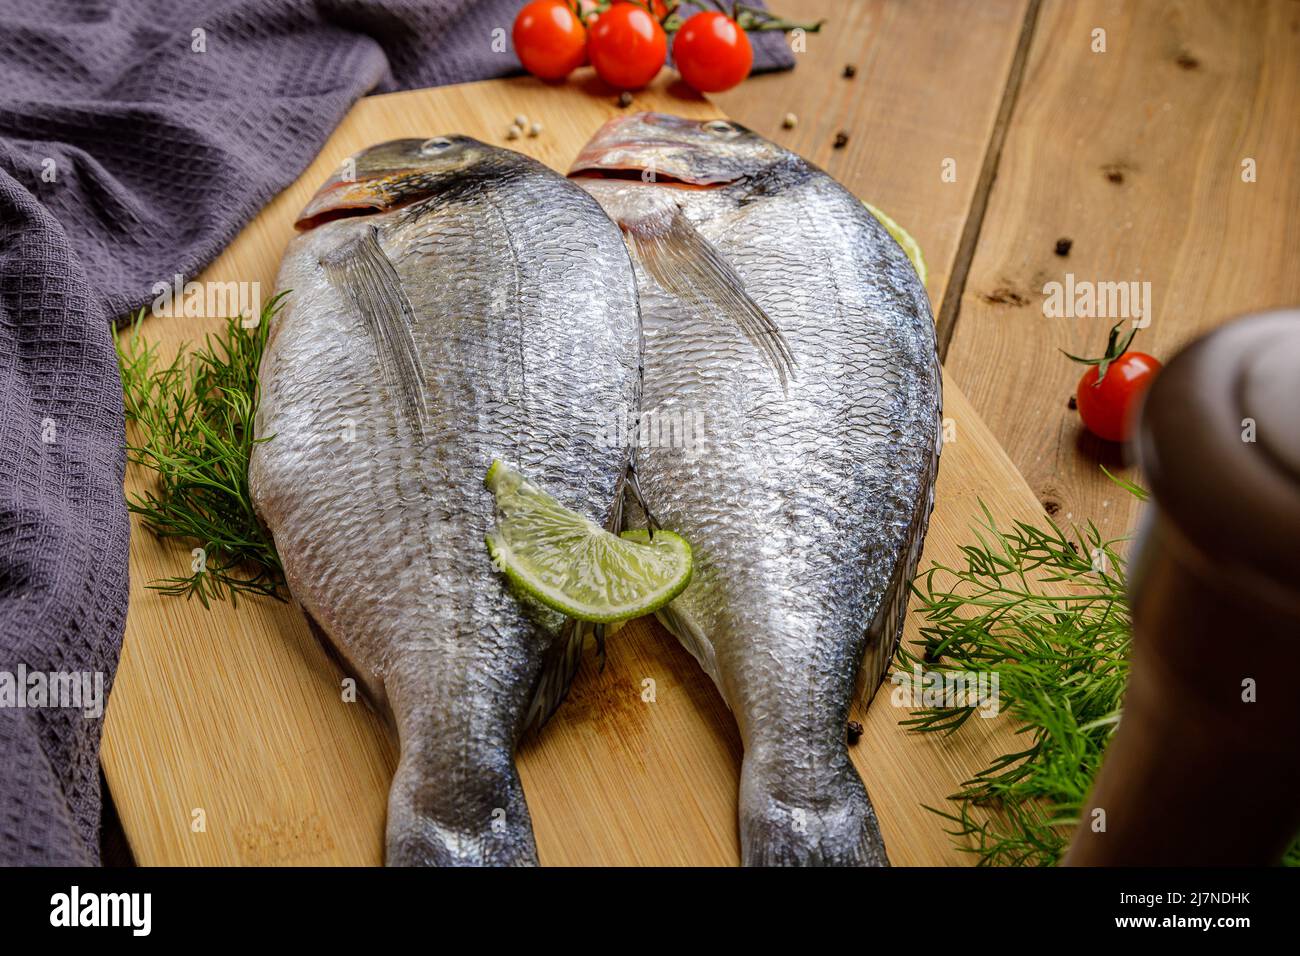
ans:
x=389 y=175
x=675 y=150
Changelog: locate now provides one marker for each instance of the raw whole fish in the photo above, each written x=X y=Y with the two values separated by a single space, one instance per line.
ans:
x=451 y=303
x=789 y=336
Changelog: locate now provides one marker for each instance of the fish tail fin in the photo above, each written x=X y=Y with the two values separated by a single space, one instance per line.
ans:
x=834 y=824
x=456 y=799
x=431 y=823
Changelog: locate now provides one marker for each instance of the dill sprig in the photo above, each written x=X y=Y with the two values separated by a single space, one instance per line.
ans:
x=193 y=419
x=1044 y=609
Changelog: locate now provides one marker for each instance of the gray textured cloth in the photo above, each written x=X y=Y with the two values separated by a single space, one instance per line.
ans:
x=127 y=156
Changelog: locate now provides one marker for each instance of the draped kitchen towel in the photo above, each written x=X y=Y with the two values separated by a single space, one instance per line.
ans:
x=137 y=137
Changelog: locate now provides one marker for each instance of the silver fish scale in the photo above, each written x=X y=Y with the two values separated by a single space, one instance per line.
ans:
x=800 y=507
x=528 y=337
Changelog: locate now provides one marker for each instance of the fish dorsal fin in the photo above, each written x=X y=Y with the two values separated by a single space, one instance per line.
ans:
x=362 y=270
x=886 y=630
x=691 y=268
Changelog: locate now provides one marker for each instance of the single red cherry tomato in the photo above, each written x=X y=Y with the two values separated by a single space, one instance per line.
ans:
x=627 y=46
x=1108 y=409
x=711 y=52
x=550 y=39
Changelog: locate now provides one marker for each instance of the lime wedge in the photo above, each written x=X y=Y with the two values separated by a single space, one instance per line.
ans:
x=904 y=239
x=570 y=563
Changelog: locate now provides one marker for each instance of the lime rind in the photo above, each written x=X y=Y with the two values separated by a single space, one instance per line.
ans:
x=904 y=238
x=570 y=563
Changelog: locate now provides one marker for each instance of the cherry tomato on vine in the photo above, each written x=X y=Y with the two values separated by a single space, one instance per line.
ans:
x=657 y=7
x=627 y=46
x=711 y=52
x=550 y=39
x=588 y=14
x=1108 y=409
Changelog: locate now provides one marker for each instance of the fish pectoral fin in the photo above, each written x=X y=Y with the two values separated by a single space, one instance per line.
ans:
x=691 y=268
x=362 y=271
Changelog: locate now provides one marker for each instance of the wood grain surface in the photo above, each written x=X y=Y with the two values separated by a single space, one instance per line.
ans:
x=234 y=717
x=1136 y=155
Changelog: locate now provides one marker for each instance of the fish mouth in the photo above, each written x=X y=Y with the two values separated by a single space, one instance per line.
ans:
x=650 y=175
x=645 y=160
x=342 y=198
x=654 y=148
x=390 y=175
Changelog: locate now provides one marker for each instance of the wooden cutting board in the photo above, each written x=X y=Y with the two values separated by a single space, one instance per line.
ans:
x=227 y=740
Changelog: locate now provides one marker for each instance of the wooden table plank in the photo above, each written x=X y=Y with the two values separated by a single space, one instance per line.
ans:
x=1136 y=154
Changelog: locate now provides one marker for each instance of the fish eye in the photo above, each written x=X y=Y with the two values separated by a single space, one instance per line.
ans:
x=721 y=127
x=436 y=145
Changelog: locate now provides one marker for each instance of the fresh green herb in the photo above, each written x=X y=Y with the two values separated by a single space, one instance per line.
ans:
x=1134 y=489
x=1045 y=610
x=193 y=419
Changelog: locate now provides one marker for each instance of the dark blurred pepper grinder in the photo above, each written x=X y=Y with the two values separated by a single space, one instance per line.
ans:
x=1204 y=768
